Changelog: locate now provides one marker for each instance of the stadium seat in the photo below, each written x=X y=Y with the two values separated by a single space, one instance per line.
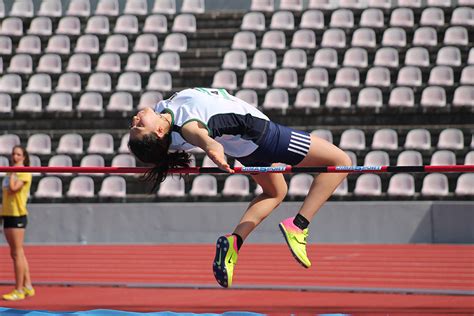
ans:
x=51 y=8
x=347 y=77
x=168 y=61
x=377 y=158
x=59 y=44
x=409 y=76
x=121 y=102
x=50 y=63
x=295 y=58
x=368 y=185
x=316 y=77
x=410 y=158
x=136 y=7
x=435 y=184
x=402 y=97
x=262 y=5
x=109 y=62
x=449 y=56
x=39 y=83
x=164 y=7
x=172 y=186
x=386 y=57
x=364 y=37
x=90 y=102
x=123 y=160
x=274 y=39
x=249 y=96
x=70 y=143
x=442 y=76
x=291 y=5
x=80 y=8
x=439 y=3
x=6 y=46
x=282 y=20
x=30 y=102
x=352 y=139
x=11 y=83
x=402 y=17
x=7 y=142
x=146 y=43
x=432 y=17
x=465 y=184
x=156 y=23
x=338 y=98
x=356 y=57
x=98 y=25
x=464 y=96
x=80 y=63
x=69 y=82
x=12 y=27
x=419 y=138
x=467 y=76
x=160 y=80
x=352 y=156
x=226 y=79
x=264 y=59
x=394 y=37
x=305 y=39
x=378 y=76
x=35 y=161
x=235 y=59
x=81 y=187
x=253 y=21
x=385 y=138
x=24 y=9
x=244 y=40
x=433 y=97
x=352 y=4
x=326 y=58
x=384 y=4
x=417 y=56
x=312 y=19
x=469 y=159
x=93 y=161
x=113 y=187
x=342 y=189
x=101 y=143
x=324 y=134
x=138 y=62
x=117 y=43
x=370 y=98
x=30 y=44
x=107 y=8
x=372 y=18
x=204 y=185
x=193 y=6
x=401 y=184
x=21 y=64
x=255 y=79
x=5 y=103
x=184 y=23
x=39 y=143
x=425 y=36
x=99 y=82
x=307 y=98
x=462 y=16
x=88 y=44
x=300 y=184
x=148 y=99
x=59 y=102
x=60 y=161
x=451 y=138
x=236 y=185
x=123 y=149
x=49 y=187
x=342 y=18
x=126 y=24
x=335 y=38
x=321 y=4
x=443 y=157
x=276 y=99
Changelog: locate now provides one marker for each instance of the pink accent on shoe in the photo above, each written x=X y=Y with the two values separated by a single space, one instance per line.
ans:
x=289 y=225
x=235 y=241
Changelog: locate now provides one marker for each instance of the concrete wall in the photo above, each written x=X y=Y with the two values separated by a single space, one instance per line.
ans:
x=337 y=222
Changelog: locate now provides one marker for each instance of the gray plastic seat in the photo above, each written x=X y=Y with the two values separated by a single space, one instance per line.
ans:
x=347 y=77
x=417 y=56
x=136 y=7
x=70 y=143
x=467 y=76
x=286 y=78
x=93 y=161
x=60 y=161
x=352 y=139
x=292 y=5
x=120 y=102
x=21 y=64
x=59 y=44
x=244 y=40
x=384 y=4
x=69 y=82
x=276 y=99
x=59 y=102
x=395 y=37
x=386 y=139
x=184 y=23
x=439 y=3
x=356 y=57
x=304 y=39
x=418 y=138
x=81 y=8
x=282 y=20
x=372 y=18
x=410 y=158
x=338 y=98
x=51 y=8
x=326 y=57
x=117 y=43
x=249 y=96
x=377 y=158
x=50 y=63
x=160 y=80
x=364 y=37
x=469 y=159
x=262 y=5
x=334 y=38
x=42 y=26
x=148 y=99
x=11 y=83
x=425 y=36
x=139 y=62
x=204 y=185
x=433 y=97
x=449 y=56
x=299 y=184
x=456 y=35
x=368 y=185
x=386 y=57
x=253 y=21
x=7 y=142
x=193 y=6
x=109 y=62
x=235 y=59
x=81 y=187
x=175 y=42
x=172 y=186
x=342 y=18
x=88 y=44
x=156 y=23
x=370 y=98
x=107 y=7
x=312 y=19
x=401 y=184
x=129 y=81
x=30 y=44
x=409 y=76
x=402 y=97
x=307 y=98
x=465 y=184
x=5 y=103
x=451 y=138
x=123 y=149
x=316 y=77
x=12 y=27
x=435 y=184
x=49 y=187
x=236 y=185
x=164 y=7
x=6 y=46
x=146 y=43
x=442 y=76
x=464 y=96
x=29 y=102
x=274 y=39
x=255 y=79
x=226 y=79
x=80 y=63
x=101 y=143
x=402 y=17
x=321 y=4
x=113 y=187
x=99 y=82
x=24 y=9
x=295 y=58
x=168 y=61
x=432 y=17
x=39 y=143
x=462 y=16
x=97 y=25
x=90 y=102
x=123 y=160
x=39 y=83
x=126 y=24
x=264 y=59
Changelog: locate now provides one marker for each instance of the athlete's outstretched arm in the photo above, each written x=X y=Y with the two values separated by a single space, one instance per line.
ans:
x=196 y=134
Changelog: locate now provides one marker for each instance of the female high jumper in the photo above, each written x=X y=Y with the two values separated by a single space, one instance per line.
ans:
x=221 y=125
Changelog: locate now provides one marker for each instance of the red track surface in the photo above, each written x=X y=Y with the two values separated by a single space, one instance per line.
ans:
x=346 y=268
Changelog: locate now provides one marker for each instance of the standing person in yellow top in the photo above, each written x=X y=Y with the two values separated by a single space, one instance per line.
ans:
x=15 y=191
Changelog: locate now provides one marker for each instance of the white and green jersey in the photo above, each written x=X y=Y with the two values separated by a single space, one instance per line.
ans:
x=232 y=122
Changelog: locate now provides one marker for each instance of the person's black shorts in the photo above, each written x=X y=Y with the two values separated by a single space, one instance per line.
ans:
x=15 y=221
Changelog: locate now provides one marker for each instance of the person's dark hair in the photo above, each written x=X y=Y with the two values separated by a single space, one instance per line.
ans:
x=26 y=162
x=153 y=150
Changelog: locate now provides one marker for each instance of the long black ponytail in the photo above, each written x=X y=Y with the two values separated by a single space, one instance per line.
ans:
x=152 y=150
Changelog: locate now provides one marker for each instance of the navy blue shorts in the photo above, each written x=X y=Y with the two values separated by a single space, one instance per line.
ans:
x=280 y=144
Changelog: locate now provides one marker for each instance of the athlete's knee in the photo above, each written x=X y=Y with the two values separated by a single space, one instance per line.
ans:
x=278 y=192
x=16 y=253
x=343 y=159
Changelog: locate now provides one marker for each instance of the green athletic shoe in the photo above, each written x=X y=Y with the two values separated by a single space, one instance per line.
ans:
x=296 y=240
x=225 y=260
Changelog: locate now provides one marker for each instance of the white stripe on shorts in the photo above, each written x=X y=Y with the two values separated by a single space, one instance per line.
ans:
x=299 y=143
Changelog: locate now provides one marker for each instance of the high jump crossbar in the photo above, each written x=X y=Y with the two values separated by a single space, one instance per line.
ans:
x=249 y=170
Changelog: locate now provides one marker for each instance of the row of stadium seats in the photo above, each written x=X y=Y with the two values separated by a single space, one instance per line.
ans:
x=349 y=139
x=400 y=185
